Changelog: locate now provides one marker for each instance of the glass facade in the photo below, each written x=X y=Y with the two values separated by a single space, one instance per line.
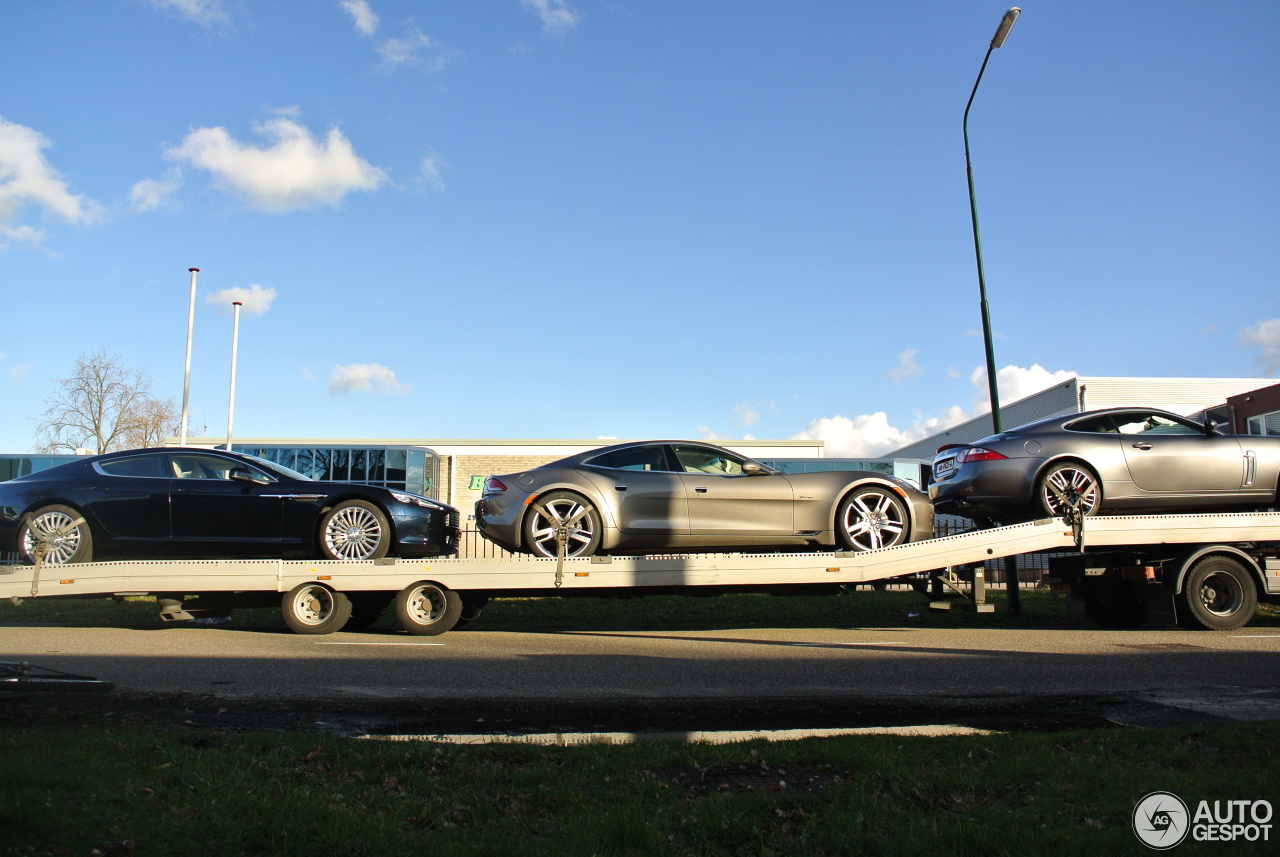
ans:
x=401 y=468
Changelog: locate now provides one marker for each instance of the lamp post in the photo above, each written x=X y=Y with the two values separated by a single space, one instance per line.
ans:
x=1002 y=32
x=186 y=375
x=235 y=346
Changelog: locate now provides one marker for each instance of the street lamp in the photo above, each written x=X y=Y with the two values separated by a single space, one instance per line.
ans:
x=1002 y=32
x=186 y=375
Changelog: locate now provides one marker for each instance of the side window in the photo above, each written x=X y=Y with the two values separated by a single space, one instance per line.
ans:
x=635 y=458
x=702 y=459
x=139 y=465
x=1094 y=425
x=1154 y=424
x=196 y=466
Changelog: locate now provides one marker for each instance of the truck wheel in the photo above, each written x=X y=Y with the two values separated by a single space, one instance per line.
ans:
x=1218 y=595
x=427 y=609
x=310 y=608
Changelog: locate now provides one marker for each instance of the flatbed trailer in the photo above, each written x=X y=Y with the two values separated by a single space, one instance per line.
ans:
x=1203 y=570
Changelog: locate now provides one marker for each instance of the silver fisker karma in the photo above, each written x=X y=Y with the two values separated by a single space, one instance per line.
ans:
x=657 y=496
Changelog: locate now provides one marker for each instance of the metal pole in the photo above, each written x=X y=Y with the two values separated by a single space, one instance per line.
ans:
x=186 y=375
x=1002 y=32
x=235 y=345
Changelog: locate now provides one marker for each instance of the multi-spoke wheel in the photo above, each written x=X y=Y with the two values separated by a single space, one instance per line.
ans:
x=310 y=608
x=61 y=530
x=1067 y=485
x=427 y=609
x=1218 y=595
x=872 y=517
x=562 y=512
x=354 y=529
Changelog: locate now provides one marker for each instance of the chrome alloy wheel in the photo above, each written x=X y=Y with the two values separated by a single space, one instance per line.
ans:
x=353 y=532
x=58 y=530
x=1065 y=486
x=569 y=513
x=874 y=519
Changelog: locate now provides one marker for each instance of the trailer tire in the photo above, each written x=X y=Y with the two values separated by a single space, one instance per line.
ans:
x=427 y=609
x=1217 y=595
x=310 y=608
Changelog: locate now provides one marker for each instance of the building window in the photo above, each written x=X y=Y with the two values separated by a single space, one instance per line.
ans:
x=1265 y=424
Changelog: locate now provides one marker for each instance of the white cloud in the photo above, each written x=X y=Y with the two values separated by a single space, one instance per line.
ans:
x=364 y=377
x=431 y=172
x=745 y=415
x=907 y=366
x=206 y=13
x=149 y=194
x=255 y=299
x=26 y=178
x=1264 y=335
x=871 y=435
x=366 y=22
x=556 y=15
x=409 y=50
x=17 y=373
x=295 y=171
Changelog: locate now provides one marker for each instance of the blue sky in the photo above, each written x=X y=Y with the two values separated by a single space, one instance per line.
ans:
x=615 y=218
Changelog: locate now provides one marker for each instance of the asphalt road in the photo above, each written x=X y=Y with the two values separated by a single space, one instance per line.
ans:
x=758 y=678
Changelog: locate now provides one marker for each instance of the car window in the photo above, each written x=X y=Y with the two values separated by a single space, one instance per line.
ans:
x=702 y=459
x=1094 y=425
x=196 y=466
x=1154 y=424
x=136 y=465
x=633 y=458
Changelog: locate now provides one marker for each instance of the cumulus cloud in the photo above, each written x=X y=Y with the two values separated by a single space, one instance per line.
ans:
x=17 y=373
x=27 y=179
x=206 y=13
x=907 y=366
x=1266 y=336
x=255 y=299
x=364 y=378
x=362 y=16
x=293 y=171
x=556 y=15
x=871 y=435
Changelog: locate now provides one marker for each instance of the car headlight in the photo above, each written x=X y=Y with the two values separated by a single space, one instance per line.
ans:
x=414 y=499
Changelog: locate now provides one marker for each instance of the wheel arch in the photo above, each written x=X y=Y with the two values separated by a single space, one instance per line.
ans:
x=609 y=524
x=1250 y=564
x=342 y=498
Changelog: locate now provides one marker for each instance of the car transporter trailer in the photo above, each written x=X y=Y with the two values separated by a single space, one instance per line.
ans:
x=1199 y=571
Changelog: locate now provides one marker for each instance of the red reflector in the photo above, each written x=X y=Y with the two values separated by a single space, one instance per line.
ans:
x=493 y=486
x=977 y=453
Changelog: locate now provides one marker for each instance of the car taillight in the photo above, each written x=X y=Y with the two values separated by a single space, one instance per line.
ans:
x=977 y=453
x=493 y=485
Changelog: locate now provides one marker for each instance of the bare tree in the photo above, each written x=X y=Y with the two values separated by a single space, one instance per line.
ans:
x=104 y=407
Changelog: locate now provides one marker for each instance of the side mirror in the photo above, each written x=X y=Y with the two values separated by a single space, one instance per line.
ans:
x=1211 y=427
x=242 y=474
x=753 y=468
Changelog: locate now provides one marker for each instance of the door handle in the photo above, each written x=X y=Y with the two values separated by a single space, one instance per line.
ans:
x=619 y=488
x=1142 y=445
x=700 y=490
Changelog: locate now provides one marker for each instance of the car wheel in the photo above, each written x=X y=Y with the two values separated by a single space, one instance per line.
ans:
x=427 y=609
x=556 y=509
x=870 y=518
x=1218 y=595
x=354 y=529
x=1066 y=485
x=62 y=529
x=310 y=608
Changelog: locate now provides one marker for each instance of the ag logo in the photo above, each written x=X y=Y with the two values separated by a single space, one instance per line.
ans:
x=1161 y=820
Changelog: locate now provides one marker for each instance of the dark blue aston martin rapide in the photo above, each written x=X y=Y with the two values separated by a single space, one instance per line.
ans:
x=211 y=504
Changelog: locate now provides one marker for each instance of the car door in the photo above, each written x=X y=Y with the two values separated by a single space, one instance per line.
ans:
x=725 y=501
x=648 y=497
x=1176 y=456
x=215 y=514
x=129 y=497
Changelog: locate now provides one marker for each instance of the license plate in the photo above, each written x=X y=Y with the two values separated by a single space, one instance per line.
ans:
x=944 y=468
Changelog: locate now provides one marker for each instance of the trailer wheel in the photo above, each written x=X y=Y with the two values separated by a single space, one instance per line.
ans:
x=427 y=609
x=1218 y=595
x=310 y=608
